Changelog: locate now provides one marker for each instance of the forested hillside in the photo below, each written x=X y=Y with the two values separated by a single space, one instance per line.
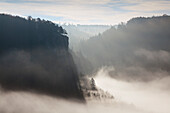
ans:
x=140 y=45
x=34 y=56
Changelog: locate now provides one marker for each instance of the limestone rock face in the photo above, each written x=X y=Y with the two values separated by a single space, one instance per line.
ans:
x=92 y=92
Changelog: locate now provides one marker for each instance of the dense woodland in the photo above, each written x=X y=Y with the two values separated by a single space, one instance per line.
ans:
x=17 y=32
x=142 y=43
x=34 y=56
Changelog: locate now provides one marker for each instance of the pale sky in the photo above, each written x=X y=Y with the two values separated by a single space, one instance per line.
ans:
x=109 y=12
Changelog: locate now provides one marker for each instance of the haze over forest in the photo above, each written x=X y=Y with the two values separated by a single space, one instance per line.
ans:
x=84 y=56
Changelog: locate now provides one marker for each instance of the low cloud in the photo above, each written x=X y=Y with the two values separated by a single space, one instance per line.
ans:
x=151 y=96
x=24 y=102
x=130 y=97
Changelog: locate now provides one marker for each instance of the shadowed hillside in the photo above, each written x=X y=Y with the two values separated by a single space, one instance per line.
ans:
x=34 y=56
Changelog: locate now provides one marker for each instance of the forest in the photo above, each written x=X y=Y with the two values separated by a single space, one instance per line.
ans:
x=34 y=56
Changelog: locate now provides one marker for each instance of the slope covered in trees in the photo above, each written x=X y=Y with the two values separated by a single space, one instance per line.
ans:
x=34 y=56
x=22 y=33
x=141 y=45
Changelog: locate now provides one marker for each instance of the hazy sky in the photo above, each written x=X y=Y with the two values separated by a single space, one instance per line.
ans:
x=86 y=11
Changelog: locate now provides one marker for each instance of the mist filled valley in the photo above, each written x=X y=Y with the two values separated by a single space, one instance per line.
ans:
x=64 y=68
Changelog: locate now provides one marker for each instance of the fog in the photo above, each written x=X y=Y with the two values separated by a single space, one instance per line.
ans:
x=79 y=33
x=152 y=96
x=130 y=97
x=22 y=102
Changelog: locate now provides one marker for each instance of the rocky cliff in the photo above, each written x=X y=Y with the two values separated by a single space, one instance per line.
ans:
x=34 y=57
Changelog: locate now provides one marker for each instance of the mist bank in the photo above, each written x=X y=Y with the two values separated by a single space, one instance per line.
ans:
x=79 y=33
x=34 y=56
x=130 y=97
x=141 y=45
x=152 y=96
x=25 y=102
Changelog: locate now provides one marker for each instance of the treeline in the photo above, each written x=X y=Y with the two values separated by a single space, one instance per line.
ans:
x=141 y=43
x=30 y=33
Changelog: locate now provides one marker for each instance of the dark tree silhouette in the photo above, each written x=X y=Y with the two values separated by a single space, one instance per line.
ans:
x=34 y=56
